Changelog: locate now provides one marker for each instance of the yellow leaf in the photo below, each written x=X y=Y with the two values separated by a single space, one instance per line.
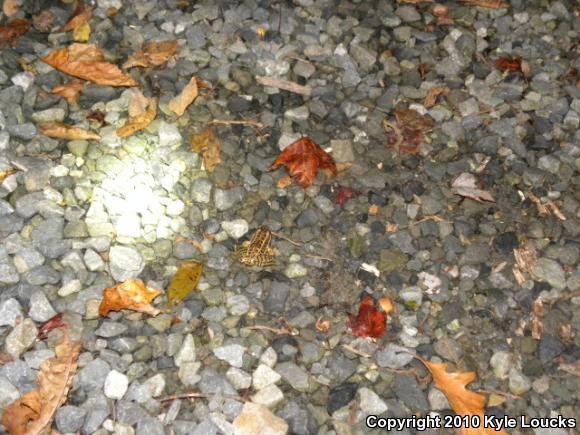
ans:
x=184 y=282
x=463 y=401
x=6 y=174
x=82 y=33
x=140 y=121
x=207 y=143
x=64 y=131
x=132 y=294
x=181 y=102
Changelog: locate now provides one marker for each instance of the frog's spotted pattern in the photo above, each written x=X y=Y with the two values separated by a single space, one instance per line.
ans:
x=257 y=251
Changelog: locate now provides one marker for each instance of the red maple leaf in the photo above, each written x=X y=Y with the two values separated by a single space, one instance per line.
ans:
x=369 y=322
x=303 y=158
x=344 y=194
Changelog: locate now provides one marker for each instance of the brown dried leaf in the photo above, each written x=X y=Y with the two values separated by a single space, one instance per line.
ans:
x=465 y=185
x=69 y=91
x=513 y=64
x=537 y=314
x=181 y=102
x=10 y=7
x=284 y=182
x=140 y=121
x=488 y=4
x=33 y=413
x=463 y=401
x=152 y=54
x=137 y=103
x=303 y=159
x=87 y=61
x=81 y=15
x=11 y=32
x=409 y=119
x=132 y=294
x=432 y=95
x=64 y=131
x=573 y=368
x=207 y=143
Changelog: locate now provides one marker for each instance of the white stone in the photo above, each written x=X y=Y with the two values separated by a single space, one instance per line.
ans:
x=116 y=385
x=264 y=376
x=236 y=228
x=187 y=351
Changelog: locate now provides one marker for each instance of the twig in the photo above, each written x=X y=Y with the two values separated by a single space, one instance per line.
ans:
x=285 y=85
x=195 y=395
x=500 y=393
x=318 y=257
x=256 y=124
x=356 y=351
x=280 y=236
x=277 y=331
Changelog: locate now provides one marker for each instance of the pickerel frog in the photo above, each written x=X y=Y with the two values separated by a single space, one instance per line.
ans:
x=257 y=251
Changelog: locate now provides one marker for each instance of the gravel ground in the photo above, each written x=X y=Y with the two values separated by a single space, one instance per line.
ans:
x=78 y=216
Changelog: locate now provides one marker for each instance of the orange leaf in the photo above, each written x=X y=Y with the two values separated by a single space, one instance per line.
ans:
x=303 y=158
x=152 y=54
x=81 y=15
x=87 y=61
x=33 y=413
x=140 y=121
x=64 y=131
x=463 y=401
x=207 y=143
x=181 y=102
x=284 y=182
x=69 y=91
x=132 y=294
x=369 y=322
x=12 y=31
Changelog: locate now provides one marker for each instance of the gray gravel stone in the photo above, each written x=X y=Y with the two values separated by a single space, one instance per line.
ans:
x=549 y=271
x=21 y=338
x=232 y=354
x=394 y=356
x=200 y=190
x=294 y=375
x=10 y=310
x=110 y=329
x=40 y=308
x=69 y=419
x=125 y=262
x=47 y=238
x=8 y=393
x=93 y=375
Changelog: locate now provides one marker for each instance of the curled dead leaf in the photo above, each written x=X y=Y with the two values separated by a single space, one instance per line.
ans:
x=303 y=159
x=181 y=102
x=432 y=95
x=140 y=121
x=87 y=61
x=131 y=294
x=208 y=144
x=137 y=103
x=34 y=412
x=81 y=16
x=69 y=132
x=43 y=21
x=465 y=185
x=369 y=322
x=69 y=91
x=152 y=54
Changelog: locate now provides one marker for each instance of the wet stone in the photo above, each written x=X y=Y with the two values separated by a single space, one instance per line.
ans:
x=340 y=396
x=69 y=419
x=408 y=391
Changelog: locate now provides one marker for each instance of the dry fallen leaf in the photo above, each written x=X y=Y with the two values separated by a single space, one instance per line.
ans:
x=43 y=21
x=463 y=401
x=132 y=295
x=69 y=91
x=87 y=61
x=284 y=182
x=140 y=121
x=207 y=143
x=572 y=368
x=303 y=158
x=81 y=16
x=33 y=413
x=181 y=102
x=184 y=282
x=409 y=133
x=11 y=32
x=137 y=103
x=6 y=174
x=152 y=54
x=64 y=131
x=464 y=185
x=513 y=64
x=537 y=314
x=488 y=4
x=369 y=322
x=432 y=95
